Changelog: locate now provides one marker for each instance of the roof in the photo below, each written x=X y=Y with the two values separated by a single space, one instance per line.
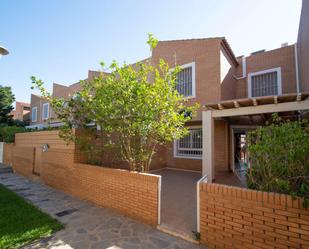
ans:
x=193 y=39
x=229 y=51
x=265 y=100
x=23 y=103
x=224 y=44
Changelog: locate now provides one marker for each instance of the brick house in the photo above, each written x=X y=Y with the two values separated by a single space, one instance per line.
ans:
x=21 y=112
x=42 y=114
x=215 y=78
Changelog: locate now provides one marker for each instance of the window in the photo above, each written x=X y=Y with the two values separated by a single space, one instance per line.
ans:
x=34 y=114
x=265 y=83
x=45 y=111
x=190 y=146
x=185 y=80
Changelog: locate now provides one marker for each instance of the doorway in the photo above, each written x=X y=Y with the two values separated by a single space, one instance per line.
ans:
x=179 y=201
x=239 y=151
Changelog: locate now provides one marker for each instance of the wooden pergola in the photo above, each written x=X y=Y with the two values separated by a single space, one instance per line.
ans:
x=243 y=107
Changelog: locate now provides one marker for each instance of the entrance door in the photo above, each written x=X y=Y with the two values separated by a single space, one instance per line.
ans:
x=239 y=152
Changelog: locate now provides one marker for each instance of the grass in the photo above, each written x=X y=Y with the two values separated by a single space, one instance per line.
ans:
x=21 y=222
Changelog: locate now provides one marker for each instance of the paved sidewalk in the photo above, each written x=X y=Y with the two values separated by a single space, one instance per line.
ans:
x=88 y=226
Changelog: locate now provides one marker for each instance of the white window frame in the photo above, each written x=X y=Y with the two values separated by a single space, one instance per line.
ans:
x=191 y=64
x=45 y=118
x=250 y=75
x=36 y=114
x=187 y=156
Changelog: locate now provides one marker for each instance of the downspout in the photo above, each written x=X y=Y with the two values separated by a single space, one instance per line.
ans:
x=296 y=68
x=244 y=70
x=244 y=67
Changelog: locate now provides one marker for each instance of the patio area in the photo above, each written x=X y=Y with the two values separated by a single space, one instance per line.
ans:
x=178 y=200
x=237 y=178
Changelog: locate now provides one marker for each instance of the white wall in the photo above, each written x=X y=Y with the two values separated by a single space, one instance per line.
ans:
x=224 y=66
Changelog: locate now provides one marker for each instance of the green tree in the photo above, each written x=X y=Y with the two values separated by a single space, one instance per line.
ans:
x=6 y=104
x=136 y=107
x=279 y=158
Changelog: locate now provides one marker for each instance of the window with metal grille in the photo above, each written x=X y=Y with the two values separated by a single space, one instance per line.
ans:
x=45 y=112
x=34 y=114
x=184 y=82
x=265 y=83
x=190 y=146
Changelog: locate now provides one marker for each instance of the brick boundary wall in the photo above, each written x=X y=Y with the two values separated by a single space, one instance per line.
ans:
x=133 y=194
x=23 y=160
x=8 y=154
x=232 y=217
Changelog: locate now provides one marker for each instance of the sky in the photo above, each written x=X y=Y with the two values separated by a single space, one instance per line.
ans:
x=60 y=40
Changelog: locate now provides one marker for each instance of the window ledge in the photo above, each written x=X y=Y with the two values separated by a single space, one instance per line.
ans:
x=188 y=157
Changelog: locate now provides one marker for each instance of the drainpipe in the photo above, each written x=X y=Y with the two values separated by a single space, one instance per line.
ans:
x=296 y=68
x=244 y=69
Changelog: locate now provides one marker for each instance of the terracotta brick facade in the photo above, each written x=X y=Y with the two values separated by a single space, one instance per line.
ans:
x=303 y=47
x=283 y=57
x=21 y=111
x=37 y=102
x=8 y=153
x=218 y=76
x=133 y=194
x=240 y=218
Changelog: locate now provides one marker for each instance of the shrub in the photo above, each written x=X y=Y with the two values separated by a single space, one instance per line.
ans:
x=7 y=133
x=279 y=158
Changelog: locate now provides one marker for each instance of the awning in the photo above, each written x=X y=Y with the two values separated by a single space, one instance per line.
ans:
x=265 y=100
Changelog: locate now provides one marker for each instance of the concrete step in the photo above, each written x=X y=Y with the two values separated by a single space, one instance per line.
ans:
x=180 y=234
x=6 y=169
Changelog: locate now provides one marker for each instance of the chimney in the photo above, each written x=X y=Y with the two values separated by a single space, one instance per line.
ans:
x=257 y=52
x=285 y=44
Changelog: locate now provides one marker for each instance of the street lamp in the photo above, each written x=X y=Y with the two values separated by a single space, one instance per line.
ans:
x=3 y=51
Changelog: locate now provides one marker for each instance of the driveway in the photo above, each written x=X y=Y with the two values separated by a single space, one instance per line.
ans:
x=88 y=226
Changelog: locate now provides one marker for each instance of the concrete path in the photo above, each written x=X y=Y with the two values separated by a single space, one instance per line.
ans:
x=88 y=226
x=178 y=200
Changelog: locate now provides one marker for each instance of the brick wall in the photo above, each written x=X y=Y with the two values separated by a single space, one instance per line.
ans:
x=221 y=146
x=8 y=153
x=303 y=47
x=37 y=101
x=206 y=55
x=240 y=218
x=133 y=194
x=38 y=138
x=281 y=57
x=23 y=160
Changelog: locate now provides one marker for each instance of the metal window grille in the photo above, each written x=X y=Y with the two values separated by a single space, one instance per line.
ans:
x=190 y=145
x=45 y=111
x=184 y=82
x=34 y=114
x=264 y=84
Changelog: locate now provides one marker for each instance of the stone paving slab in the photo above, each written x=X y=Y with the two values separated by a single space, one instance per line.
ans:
x=89 y=226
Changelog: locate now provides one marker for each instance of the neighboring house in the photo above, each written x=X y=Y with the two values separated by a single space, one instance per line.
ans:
x=21 y=112
x=42 y=114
